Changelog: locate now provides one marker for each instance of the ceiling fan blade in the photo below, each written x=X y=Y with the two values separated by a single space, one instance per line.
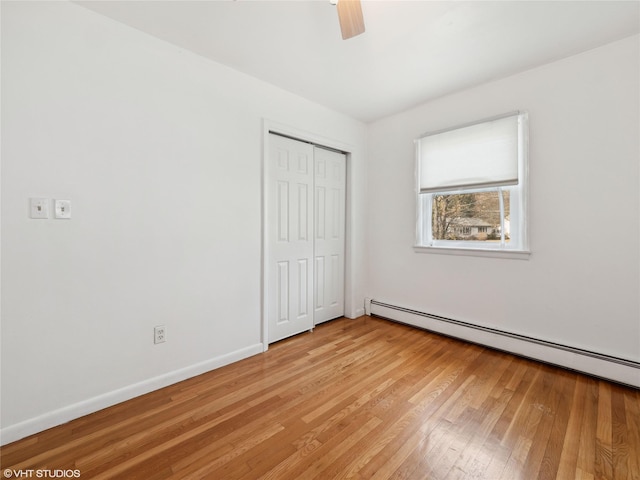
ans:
x=350 y=16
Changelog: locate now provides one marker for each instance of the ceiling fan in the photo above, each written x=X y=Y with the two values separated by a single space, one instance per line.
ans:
x=350 y=17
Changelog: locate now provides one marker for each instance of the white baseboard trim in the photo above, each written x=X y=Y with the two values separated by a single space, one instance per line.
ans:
x=367 y=306
x=599 y=365
x=71 y=412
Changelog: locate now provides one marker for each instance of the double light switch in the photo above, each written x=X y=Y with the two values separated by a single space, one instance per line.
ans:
x=39 y=208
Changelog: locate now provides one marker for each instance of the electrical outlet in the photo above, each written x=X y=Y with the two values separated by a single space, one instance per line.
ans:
x=159 y=334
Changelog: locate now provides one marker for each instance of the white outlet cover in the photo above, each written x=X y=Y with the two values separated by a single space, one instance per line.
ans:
x=62 y=209
x=159 y=334
x=39 y=208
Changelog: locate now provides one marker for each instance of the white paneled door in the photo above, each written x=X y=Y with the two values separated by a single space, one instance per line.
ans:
x=329 y=231
x=305 y=233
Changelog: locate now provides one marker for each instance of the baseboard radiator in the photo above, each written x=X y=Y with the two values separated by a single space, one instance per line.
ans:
x=612 y=368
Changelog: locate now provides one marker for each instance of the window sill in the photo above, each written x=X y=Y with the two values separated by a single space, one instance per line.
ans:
x=475 y=252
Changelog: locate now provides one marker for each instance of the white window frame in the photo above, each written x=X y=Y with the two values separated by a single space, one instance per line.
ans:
x=518 y=245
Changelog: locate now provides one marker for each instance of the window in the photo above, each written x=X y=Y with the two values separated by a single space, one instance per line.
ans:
x=472 y=184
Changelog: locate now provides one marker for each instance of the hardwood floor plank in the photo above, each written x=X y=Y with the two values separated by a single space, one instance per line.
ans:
x=561 y=411
x=195 y=470
x=604 y=454
x=363 y=398
x=547 y=403
x=336 y=446
x=632 y=409
x=619 y=438
x=587 y=447
x=568 y=462
x=476 y=456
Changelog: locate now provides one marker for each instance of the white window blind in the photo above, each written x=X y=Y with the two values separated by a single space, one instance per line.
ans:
x=481 y=155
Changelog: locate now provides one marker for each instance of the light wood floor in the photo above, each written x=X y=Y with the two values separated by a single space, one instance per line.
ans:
x=362 y=398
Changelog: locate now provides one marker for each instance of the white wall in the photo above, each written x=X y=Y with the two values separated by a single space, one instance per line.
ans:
x=581 y=285
x=160 y=153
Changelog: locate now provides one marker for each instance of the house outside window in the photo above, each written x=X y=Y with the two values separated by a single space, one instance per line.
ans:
x=472 y=188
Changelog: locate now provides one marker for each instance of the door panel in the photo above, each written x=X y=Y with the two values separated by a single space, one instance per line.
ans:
x=289 y=240
x=329 y=220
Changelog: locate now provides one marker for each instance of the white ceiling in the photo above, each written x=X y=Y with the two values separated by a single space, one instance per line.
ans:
x=412 y=51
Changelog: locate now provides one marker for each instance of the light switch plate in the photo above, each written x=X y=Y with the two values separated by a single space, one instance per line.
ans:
x=62 y=209
x=39 y=208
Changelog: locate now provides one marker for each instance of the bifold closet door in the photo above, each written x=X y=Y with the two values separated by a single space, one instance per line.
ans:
x=289 y=237
x=305 y=236
x=329 y=234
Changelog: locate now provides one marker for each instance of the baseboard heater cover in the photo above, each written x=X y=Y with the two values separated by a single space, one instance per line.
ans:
x=612 y=368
